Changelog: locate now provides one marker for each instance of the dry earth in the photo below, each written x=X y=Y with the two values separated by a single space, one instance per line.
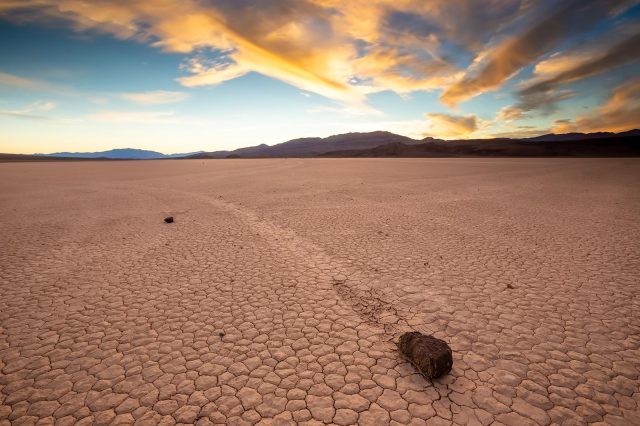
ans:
x=279 y=292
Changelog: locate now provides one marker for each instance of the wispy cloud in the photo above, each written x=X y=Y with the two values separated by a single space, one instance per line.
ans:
x=210 y=74
x=622 y=53
x=545 y=90
x=446 y=125
x=620 y=112
x=155 y=97
x=16 y=81
x=520 y=133
x=135 y=117
x=348 y=110
x=32 y=111
x=544 y=101
x=501 y=62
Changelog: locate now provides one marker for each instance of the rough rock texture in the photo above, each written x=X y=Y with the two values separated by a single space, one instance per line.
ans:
x=430 y=355
x=109 y=316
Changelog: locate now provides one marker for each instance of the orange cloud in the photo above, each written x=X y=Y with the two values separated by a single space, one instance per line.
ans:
x=559 y=63
x=622 y=53
x=446 y=125
x=543 y=91
x=510 y=113
x=499 y=63
x=310 y=44
x=343 y=50
x=619 y=113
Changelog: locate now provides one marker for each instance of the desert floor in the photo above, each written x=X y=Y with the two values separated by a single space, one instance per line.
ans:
x=280 y=290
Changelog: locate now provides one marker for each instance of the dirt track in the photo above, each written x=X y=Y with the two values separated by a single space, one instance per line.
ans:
x=280 y=290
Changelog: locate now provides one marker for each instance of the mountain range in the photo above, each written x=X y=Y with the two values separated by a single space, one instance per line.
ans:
x=386 y=144
x=119 y=154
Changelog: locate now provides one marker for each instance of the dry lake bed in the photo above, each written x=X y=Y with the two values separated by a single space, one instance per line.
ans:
x=279 y=292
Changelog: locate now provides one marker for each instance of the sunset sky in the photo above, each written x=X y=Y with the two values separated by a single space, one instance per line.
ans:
x=182 y=76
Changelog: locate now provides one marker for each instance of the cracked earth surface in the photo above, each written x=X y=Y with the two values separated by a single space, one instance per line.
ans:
x=278 y=294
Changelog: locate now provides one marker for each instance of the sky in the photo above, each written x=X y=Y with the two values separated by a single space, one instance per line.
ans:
x=191 y=75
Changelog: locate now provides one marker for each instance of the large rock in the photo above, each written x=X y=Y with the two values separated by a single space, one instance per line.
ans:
x=431 y=356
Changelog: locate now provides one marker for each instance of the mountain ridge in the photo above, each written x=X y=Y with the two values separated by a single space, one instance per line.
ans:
x=383 y=143
x=350 y=143
x=118 y=154
x=312 y=146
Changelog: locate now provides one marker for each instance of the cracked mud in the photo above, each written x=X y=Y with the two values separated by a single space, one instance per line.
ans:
x=278 y=294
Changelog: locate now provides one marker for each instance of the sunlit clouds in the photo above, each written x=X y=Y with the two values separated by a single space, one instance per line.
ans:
x=155 y=97
x=445 y=125
x=483 y=65
x=619 y=113
x=503 y=60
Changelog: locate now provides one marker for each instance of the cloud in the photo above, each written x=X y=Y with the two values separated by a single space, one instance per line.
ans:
x=545 y=101
x=348 y=110
x=15 y=81
x=501 y=62
x=31 y=111
x=543 y=91
x=155 y=97
x=620 y=112
x=212 y=74
x=342 y=50
x=622 y=53
x=510 y=113
x=135 y=117
x=446 y=125
x=520 y=133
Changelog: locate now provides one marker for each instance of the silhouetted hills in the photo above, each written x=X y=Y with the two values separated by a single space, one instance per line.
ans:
x=582 y=136
x=624 y=146
x=386 y=144
x=310 y=147
x=119 y=154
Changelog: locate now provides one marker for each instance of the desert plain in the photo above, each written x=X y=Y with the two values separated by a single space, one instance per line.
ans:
x=279 y=292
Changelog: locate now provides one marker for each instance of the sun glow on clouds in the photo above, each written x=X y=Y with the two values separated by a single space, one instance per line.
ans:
x=155 y=97
x=136 y=117
x=347 y=51
x=619 y=113
x=448 y=126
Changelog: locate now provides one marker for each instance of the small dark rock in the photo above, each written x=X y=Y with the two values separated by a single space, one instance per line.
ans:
x=221 y=334
x=168 y=219
x=431 y=356
x=510 y=286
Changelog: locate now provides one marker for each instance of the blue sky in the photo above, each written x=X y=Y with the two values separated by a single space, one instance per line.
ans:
x=208 y=75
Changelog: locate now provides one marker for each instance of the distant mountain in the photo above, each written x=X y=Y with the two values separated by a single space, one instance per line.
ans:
x=618 y=146
x=309 y=147
x=31 y=157
x=582 y=136
x=386 y=144
x=118 y=154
